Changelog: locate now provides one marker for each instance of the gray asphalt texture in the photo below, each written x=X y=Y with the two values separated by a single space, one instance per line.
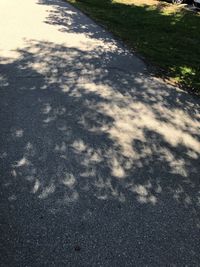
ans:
x=99 y=160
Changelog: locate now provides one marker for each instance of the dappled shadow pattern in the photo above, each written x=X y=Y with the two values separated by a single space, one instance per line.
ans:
x=161 y=33
x=96 y=157
x=69 y=19
x=78 y=139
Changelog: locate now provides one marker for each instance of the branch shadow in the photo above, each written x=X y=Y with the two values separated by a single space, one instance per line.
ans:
x=71 y=20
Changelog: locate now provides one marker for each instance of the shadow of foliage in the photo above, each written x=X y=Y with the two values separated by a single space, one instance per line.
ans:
x=168 y=41
x=92 y=154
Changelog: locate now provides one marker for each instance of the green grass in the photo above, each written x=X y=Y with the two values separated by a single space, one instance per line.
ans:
x=168 y=38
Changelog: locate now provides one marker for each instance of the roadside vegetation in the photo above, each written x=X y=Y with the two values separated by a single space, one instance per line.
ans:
x=166 y=35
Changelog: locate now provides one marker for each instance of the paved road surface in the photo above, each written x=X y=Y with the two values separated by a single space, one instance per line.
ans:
x=99 y=160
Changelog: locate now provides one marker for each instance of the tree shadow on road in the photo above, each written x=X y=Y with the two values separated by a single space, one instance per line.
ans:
x=98 y=146
x=155 y=34
x=93 y=155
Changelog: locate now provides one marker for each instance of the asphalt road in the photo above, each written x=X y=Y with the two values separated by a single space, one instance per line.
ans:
x=99 y=160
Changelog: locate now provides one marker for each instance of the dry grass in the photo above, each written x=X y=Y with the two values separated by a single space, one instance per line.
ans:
x=160 y=5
